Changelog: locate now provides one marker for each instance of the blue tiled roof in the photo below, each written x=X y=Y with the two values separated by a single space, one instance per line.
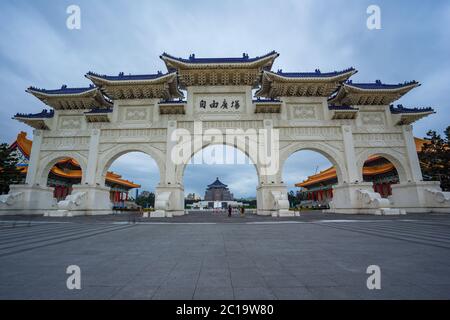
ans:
x=63 y=90
x=123 y=77
x=316 y=74
x=244 y=58
x=258 y=100
x=401 y=109
x=172 y=101
x=217 y=183
x=99 y=110
x=43 y=114
x=379 y=85
x=333 y=107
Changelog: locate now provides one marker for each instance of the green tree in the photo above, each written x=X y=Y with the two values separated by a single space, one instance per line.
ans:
x=435 y=158
x=293 y=198
x=146 y=199
x=9 y=174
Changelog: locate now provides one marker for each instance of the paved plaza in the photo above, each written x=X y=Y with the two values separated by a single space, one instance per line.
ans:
x=207 y=256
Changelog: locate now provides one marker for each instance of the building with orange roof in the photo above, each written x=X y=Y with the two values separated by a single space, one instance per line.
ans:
x=318 y=188
x=67 y=172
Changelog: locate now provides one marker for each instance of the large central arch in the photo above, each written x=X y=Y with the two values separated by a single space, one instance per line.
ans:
x=244 y=149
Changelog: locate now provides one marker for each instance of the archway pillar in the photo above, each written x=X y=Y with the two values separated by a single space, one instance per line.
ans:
x=169 y=195
x=35 y=155
x=411 y=153
x=349 y=153
x=27 y=199
x=91 y=170
x=354 y=198
x=84 y=200
x=169 y=201
x=418 y=197
x=272 y=200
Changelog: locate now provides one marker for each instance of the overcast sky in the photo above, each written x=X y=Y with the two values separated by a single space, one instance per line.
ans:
x=36 y=48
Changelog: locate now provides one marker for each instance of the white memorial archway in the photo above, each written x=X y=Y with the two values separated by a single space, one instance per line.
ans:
x=321 y=111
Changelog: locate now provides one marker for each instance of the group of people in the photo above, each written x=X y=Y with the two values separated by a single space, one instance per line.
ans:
x=241 y=210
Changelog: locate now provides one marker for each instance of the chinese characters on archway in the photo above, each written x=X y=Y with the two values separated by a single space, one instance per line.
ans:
x=220 y=104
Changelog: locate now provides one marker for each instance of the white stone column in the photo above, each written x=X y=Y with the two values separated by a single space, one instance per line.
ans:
x=413 y=159
x=170 y=175
x=91 y=169
x=169 y=195
x=346 y=195
x=350 y=156
x=271 y=193
x=34 y=161
x=95 y=199
x=30 y=198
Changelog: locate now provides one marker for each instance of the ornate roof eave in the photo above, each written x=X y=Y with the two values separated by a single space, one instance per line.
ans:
x=36 y=123
x=408 y=118
x=340 y=76
x=267 y=105
x=172 y=107
x=70 y=98
x=40 y=120
x=350 y=94
x=166 y=86
x=263 y=62
x=343 y=112
x=305 y=84
x=402 y=115
x=98 y=115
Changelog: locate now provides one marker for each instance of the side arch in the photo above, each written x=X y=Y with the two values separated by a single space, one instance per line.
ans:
x=47 y=163
x=332 y=154
x=397 y=158
x=106 y=159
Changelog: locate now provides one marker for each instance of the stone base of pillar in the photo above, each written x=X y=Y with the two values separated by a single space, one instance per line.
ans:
x=84 y=200
x=420 y=197
x=271 y=200
x=169 y=202
x=25 y=199
x=359 y=198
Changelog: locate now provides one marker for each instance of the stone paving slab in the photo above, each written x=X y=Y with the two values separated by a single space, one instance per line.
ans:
x=313 y=257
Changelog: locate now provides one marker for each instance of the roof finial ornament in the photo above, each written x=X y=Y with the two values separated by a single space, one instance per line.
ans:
x=280 y=71
x=121 y=74
x=192 y=56
x=245 y=55
x=64 y=86
x=378 y=81
x=317 y=70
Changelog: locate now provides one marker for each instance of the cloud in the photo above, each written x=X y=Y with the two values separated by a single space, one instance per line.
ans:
x=37 y=49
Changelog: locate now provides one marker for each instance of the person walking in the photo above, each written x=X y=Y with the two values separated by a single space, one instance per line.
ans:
x=242 y=211
x=229 y=210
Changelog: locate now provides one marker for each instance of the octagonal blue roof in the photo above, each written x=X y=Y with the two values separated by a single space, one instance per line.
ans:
x=217 y=184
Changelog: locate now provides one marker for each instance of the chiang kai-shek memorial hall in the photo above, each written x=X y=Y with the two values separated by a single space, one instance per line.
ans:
x=345 y=121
